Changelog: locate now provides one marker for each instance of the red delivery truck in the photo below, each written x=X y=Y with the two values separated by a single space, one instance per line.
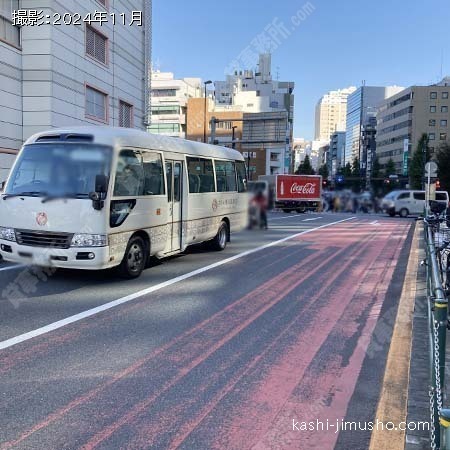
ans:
x=295 y=192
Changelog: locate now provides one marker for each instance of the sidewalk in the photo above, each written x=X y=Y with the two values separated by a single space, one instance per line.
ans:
x=418 y=399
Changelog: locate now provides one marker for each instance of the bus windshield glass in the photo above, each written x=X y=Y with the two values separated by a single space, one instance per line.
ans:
x=58 y=170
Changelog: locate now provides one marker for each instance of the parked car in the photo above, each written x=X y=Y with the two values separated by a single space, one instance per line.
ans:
x=406 y=203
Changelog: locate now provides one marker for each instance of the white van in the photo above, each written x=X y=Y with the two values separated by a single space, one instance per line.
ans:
x=405 y=203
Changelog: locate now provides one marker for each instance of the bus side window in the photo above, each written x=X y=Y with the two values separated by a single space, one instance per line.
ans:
x=153 y=172
x=241 y=176
x=129 y=174
x=201 y=175
x=226 y=176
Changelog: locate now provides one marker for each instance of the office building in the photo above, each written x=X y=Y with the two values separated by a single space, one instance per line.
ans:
x=169 y=98
x=337 y=148
x=57 y=76
x=405 y=117
x=331 y=113
x=265 y=108
x=361 y=106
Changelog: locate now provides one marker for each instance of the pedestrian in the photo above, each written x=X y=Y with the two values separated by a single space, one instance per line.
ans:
x=337 y=204
x=261 y=200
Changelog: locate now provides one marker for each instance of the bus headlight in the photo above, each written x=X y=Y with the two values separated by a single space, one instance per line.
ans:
x=8 y=234
x=89 y=240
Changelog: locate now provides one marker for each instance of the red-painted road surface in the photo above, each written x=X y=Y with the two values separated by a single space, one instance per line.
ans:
x=227 y=359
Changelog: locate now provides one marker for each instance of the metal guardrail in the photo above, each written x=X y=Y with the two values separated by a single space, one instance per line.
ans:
x=437 y=302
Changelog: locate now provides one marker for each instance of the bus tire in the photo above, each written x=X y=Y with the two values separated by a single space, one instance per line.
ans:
x=219 y=242
x=134 y=260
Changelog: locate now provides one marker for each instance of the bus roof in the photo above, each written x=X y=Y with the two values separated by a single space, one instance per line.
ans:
x=130 y=137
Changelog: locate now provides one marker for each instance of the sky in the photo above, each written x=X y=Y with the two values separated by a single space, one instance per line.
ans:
x=332 y=44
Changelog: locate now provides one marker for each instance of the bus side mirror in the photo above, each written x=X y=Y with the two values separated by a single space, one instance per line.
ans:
x=101 y=184
x=2 y=186
x=98 y=196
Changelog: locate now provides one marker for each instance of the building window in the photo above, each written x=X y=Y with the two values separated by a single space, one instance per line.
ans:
x=433 y=95
x=444 y=109
x=9 y=33
x=432 y=123
x=96 y=45
x=96 y=104
x=432 y=109
x=125 y=114
x=431 y=136
x=443 y=122
x=445 y=95
x=165 y=109
x=443 y=136
x=164 y=92
x=164 y=128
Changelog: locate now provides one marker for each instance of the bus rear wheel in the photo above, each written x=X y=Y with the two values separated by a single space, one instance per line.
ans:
x=134 y=260
x=219 y=243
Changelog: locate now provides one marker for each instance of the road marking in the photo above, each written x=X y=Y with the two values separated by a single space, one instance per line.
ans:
x=313 y=218
x=91 y=312
x=392 y=406
x=375 y=222
x=17 y=266
x=292 y=216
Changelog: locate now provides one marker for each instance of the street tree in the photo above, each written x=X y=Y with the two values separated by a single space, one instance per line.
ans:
x=323 y=170
x=443 y=162
x=356 y=175
x=416 y=168
x=390 y=168
x=377 y=185
x=305 y=167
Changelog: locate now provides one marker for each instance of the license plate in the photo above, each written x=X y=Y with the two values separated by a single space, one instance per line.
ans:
x=41 y=260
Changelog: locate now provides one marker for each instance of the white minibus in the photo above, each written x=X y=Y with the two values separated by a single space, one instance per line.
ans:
x=100 y=197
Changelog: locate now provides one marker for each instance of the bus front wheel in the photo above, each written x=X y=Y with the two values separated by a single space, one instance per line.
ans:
x=133 y=262
x=220 y=241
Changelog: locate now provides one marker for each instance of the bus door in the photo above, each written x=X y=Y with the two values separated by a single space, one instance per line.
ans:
x=174 y=174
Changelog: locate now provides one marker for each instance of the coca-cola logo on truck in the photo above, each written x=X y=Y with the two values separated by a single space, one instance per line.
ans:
x=298 y=187
x=308 y=188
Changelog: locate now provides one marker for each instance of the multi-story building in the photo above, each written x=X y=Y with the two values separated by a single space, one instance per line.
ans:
x=55 y=76
x=331 y=113
x=369 y=145
x=302 y=147
x=337 y=148
x=405 y=117
x=272 y=102
x=361 y=106
x=169 y=98
x=229 y=122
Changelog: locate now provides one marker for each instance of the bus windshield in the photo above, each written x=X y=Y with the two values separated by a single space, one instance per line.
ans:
x=58 y=170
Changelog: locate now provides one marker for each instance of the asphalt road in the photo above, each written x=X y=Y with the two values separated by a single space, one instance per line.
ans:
x=206 y=350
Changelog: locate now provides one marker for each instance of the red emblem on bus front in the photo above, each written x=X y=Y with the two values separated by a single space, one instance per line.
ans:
x=41 y=219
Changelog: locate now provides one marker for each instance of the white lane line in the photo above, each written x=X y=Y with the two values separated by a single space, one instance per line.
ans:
x=17 y=266
x=91 y=312
x=292 y=216
x=375 y=222
x=312 y=218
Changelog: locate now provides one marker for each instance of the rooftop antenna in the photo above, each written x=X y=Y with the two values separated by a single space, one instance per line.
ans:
x=442 y=64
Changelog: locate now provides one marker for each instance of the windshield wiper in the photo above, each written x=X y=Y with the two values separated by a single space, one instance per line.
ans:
x=63 y=196
x=24 y=194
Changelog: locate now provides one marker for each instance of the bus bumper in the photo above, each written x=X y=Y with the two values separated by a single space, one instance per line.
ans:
x=92 y=258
